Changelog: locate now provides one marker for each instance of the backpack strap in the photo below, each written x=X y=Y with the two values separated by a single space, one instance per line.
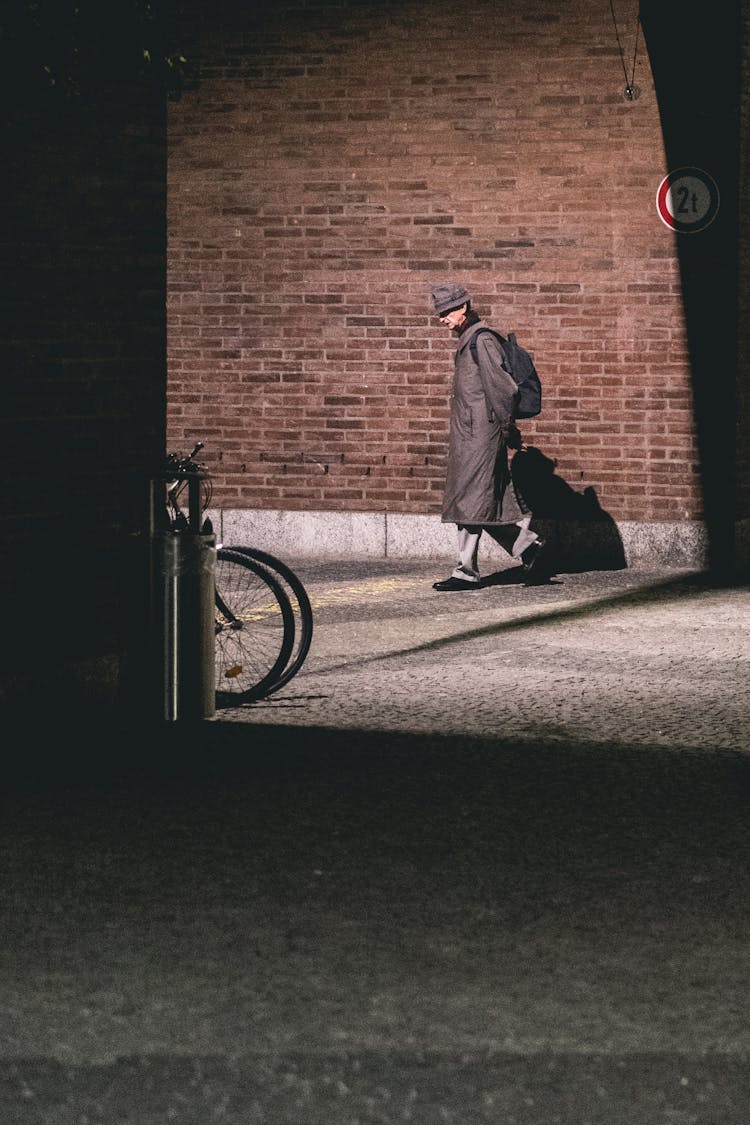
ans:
x=473 y=343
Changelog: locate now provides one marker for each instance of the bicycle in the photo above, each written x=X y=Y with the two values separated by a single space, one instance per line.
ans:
x=263 y=620
x=301 y=608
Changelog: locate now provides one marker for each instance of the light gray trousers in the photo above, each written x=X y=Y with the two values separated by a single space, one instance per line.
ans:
x=512 y=537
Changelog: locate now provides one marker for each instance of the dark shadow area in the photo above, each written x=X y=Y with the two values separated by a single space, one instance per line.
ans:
x=695 y=54
x=84 y=357
x=512 y=576
x=296 y=767
x=582 y=535
x=541 y=1088
x=320 y=926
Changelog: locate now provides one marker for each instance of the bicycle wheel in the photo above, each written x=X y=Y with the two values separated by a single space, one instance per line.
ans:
x=254 y=629
x=303 y=614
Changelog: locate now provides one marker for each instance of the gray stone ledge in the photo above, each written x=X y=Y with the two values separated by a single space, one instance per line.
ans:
x=581 y=545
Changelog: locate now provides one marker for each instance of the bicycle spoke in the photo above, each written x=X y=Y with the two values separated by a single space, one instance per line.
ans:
x=300 y=602
x=254 y=629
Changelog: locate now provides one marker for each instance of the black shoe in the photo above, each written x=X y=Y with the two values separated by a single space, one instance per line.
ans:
x=455 y=584
x=537 y=564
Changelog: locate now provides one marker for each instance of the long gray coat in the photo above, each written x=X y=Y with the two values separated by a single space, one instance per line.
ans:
x=478 y=488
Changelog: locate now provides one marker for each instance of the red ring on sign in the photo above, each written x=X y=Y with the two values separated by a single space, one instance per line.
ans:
x=711 y=196
x=661 y=202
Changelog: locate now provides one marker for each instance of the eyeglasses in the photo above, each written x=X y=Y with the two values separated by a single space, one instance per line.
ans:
x=447 y=312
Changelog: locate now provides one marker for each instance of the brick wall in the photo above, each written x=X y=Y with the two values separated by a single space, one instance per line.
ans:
x=337 y=159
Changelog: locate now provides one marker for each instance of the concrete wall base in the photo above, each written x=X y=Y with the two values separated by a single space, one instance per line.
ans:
x=599 y=544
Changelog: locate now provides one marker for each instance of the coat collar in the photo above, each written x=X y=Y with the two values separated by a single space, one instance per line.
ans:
x=466 y=336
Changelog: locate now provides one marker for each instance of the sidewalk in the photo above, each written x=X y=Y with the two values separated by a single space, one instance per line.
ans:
x=639 y=658
x=484 y=860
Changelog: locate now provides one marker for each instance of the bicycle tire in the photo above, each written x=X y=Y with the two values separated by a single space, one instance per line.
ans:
x=254 y=629
x=303 y=614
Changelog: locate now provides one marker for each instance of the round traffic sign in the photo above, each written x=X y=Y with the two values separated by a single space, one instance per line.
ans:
x=687 y=200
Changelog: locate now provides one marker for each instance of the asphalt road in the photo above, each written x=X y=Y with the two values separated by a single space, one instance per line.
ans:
x=483 y=860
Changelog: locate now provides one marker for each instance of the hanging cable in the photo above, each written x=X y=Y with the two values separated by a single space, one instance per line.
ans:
x=631 y=90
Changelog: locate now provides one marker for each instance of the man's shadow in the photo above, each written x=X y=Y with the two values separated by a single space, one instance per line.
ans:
x=580 y=534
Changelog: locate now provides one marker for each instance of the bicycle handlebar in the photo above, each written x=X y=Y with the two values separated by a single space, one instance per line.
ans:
x=176 y=463
x=181 y=475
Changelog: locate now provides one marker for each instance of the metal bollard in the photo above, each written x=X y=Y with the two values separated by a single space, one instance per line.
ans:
x=184 y=588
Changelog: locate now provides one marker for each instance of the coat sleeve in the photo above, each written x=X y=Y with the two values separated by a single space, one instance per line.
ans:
x=499 y=387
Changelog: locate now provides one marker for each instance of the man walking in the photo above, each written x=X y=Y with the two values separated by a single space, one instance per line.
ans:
x=479 y=493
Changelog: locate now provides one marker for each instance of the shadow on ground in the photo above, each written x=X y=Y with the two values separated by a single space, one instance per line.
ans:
x=314 y=927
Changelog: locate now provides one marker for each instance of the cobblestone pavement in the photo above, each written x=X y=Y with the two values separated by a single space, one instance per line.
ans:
x=484 y=860
x=659 y=659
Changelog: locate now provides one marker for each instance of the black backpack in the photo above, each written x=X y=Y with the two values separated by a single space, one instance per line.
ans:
x=519 y=364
